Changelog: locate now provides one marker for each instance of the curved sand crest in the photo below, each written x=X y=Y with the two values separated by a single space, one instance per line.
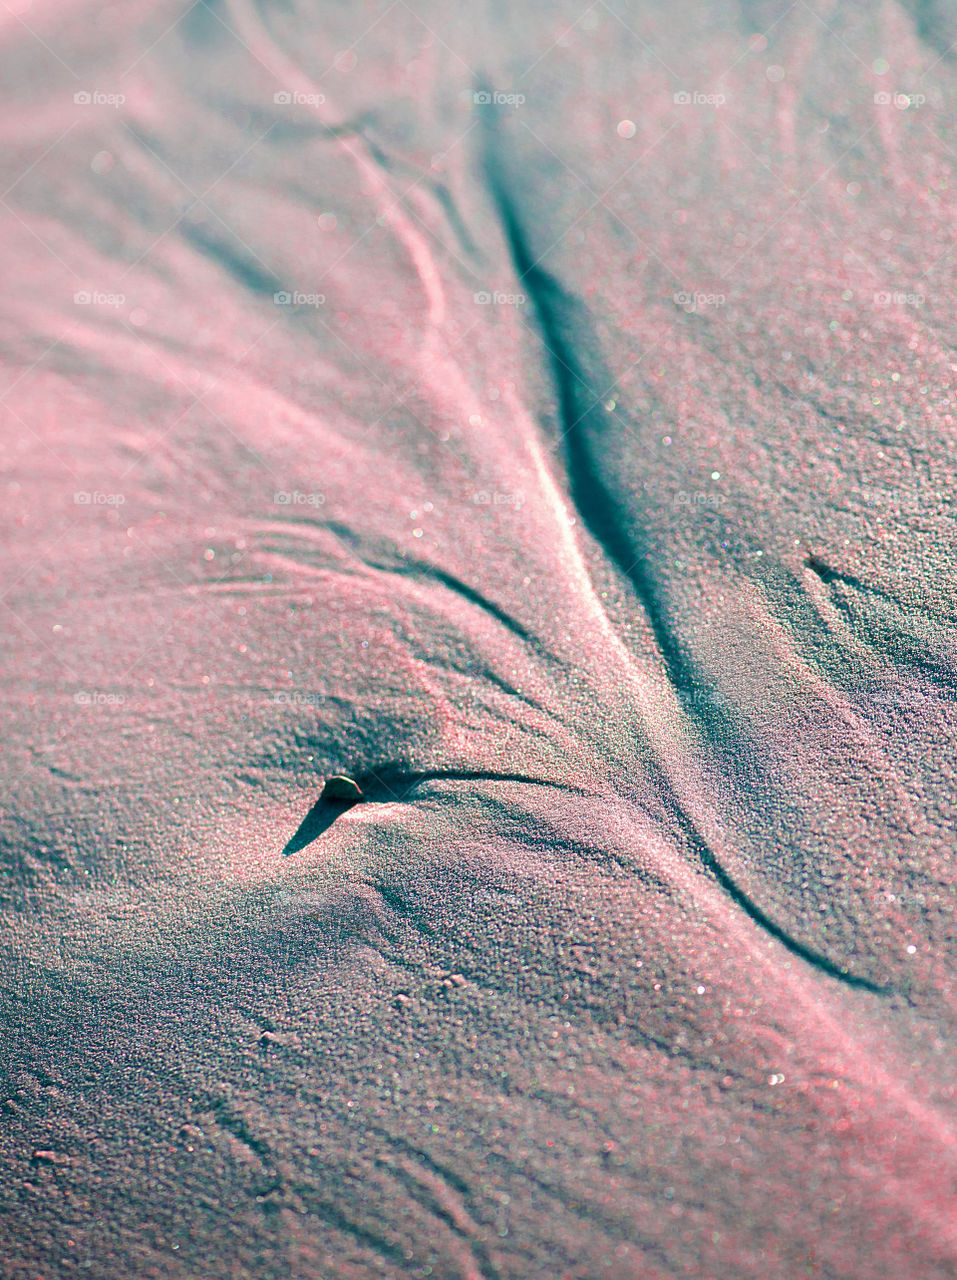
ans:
x=598 y=519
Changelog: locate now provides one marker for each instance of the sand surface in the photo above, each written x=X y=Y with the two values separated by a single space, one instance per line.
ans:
x=542 y=416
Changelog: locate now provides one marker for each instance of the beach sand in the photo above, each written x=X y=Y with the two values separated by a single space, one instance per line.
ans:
x=541 y=419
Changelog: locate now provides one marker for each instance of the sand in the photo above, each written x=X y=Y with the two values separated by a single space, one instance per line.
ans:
x=541 y=419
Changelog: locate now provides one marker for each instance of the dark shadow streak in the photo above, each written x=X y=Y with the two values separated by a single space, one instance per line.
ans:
x=935 y=21
x=387 y=785
x=565 y=331
x=471 y=595
x=394 y=562
x=828 y=576
x=240 y=265
x=752 y=910
x=317 y=821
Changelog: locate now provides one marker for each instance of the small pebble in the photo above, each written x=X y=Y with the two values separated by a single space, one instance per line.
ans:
x=339 y=787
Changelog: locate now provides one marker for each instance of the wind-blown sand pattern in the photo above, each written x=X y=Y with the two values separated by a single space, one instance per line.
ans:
x=541 y=420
